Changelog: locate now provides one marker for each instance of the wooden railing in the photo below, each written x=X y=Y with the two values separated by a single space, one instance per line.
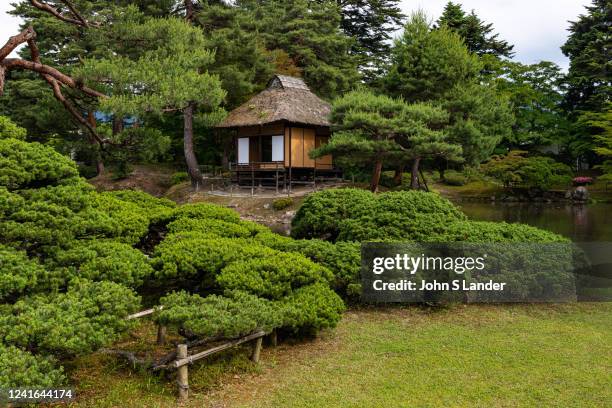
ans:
x=258 y=166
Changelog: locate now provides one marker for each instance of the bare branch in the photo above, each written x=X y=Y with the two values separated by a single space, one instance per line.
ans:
x=47 y=8
x=15 y=41
x=13 y=63
x=74 y=12
x=2 y=79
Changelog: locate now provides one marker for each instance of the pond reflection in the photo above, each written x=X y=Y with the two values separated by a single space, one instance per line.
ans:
x=588 y=222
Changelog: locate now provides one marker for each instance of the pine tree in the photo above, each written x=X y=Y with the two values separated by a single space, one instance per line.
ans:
x=311 y=37
x=589 y=78
x=370 y=23
x=380 y=130
x=479 y=36
x=434 y=66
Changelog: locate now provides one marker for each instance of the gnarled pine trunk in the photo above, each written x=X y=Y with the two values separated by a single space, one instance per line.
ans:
x=190 y=158
x=414 y=180
x=376 y=176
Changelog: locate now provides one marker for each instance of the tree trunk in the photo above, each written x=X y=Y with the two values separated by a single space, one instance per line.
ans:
x=376 y=176
x=98 y=157
x=190 y=158
x=117 y=125
x=414 y=181
x=397 y=178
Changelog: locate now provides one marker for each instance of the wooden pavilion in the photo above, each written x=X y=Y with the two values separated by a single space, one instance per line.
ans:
x=275 y=131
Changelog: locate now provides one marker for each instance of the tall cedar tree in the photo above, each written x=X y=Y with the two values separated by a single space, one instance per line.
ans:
x=434 y=66
x=370 y=23
x=479 y=36
x=379 y=130
x=589 y=79
x=312 y=38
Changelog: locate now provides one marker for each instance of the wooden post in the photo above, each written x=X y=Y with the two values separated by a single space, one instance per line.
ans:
x=161 y=335
x=256 y=350
x=273 y=338
x=182 y=373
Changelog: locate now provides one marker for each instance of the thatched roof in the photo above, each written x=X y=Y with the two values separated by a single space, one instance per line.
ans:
x=286 y=99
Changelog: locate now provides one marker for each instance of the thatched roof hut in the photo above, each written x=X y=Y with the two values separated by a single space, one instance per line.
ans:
x=286 y=99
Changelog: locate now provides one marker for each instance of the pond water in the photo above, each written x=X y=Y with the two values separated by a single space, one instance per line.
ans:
x=581 y=223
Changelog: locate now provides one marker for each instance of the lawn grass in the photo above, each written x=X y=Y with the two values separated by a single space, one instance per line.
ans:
x=482 y=356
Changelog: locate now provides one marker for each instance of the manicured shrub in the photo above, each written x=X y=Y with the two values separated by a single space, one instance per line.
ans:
x=206 y=210
x=104 y=261
x=20 y=369
x=320 y=213
x=236 y=315
x=517 y=169
x=404 y=215
x=111 y=217
x=282 y=203
x=454 y=178
x=273 y=277
x=211 y=226
x=484 y=232
x=312 y=308
x=88 y=316
x=179 y=177
x=202 y=258
x=25 y=165
x=18 y=273
x=157 y=209
x=9 y=130
x=343 y=259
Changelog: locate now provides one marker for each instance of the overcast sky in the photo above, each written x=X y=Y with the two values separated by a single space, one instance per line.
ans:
x=537 y=28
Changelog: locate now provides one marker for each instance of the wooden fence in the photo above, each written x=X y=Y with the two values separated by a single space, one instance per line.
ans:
x=182 y=358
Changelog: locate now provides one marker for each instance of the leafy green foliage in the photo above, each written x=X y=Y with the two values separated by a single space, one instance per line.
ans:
x=282 y=203
x=206 y=210
x=214 y=316
x=312 y=39
x=516 y=169
x=435 y=66
x=454 y=178
x=88 y=316
x=179 y=177
x=9 y=130
x=20 y=369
